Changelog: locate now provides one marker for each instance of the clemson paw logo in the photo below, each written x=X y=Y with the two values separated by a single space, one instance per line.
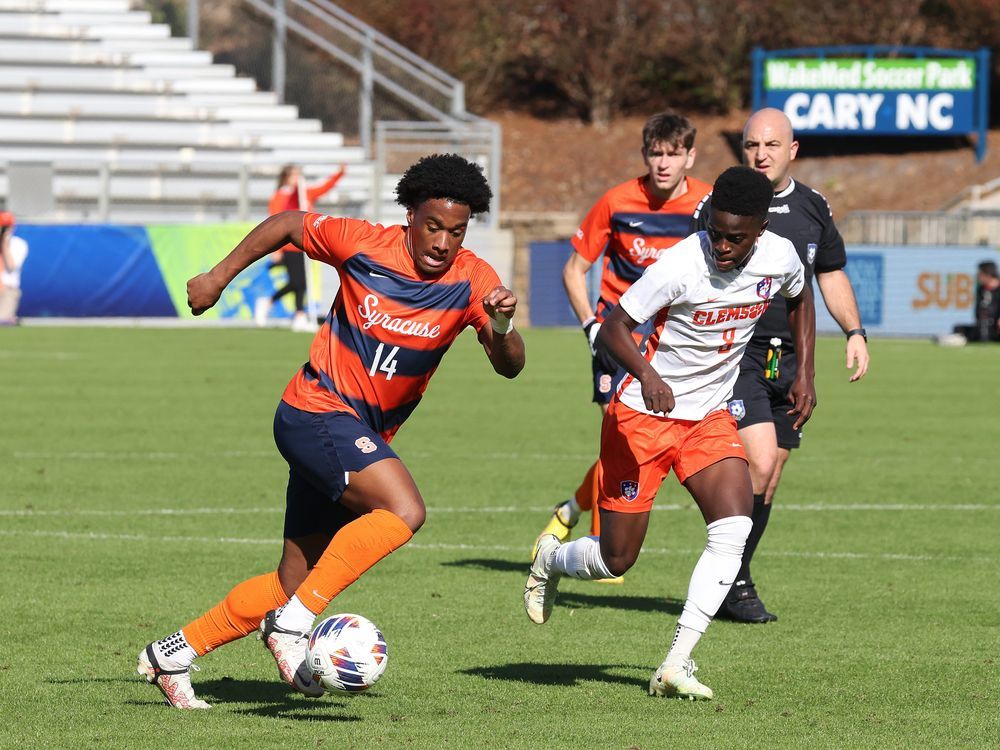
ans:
x=630 y=490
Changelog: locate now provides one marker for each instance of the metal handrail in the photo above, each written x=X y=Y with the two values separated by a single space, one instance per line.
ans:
x=974 y=193
x=329 y=47
x=361 y=31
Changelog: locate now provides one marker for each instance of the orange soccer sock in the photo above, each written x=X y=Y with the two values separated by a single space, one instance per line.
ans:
x=586 y=497
x=353 y=550
x=586 y=493
x=237 y=615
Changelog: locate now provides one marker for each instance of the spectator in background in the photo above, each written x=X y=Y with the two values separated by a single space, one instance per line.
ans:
x=293 y=195
x=13 y=251
x=987 y=325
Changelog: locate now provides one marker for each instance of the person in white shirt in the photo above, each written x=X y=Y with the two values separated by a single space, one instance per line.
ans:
x=13 y=251
x=704 y=297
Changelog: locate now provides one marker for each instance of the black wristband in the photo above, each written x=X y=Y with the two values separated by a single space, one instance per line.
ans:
x=858 y=332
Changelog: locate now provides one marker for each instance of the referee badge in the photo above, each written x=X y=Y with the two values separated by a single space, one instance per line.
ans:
x=810 y=253
x=630 y=490
x=737 y=410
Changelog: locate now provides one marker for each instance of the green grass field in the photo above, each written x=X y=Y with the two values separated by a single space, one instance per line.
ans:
x=140 y=481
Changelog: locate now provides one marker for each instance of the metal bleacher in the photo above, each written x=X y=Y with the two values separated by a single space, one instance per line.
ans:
x=140 y=127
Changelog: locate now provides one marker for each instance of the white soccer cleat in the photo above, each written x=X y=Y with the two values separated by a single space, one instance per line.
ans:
x=288 y=648
x=261 y=310
x=540 y=590
x=302 y=324
x=175 y=684
x=675 y=679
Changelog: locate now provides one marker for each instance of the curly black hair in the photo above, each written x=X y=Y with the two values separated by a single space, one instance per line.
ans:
x=444 y=176
x=742 y=191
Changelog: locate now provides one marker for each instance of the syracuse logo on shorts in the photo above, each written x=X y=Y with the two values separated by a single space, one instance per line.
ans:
x=630 y=490
x=737 y=409
x=764 y=288
x=365 y=445
x=604 y=384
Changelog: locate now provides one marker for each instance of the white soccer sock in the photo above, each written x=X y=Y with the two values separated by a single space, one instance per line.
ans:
x=685 y=639
x=581 y=559
x=294 y=615
x=715 y=572
x=174 y=652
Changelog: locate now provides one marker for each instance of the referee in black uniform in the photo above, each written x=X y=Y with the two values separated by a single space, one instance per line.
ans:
x=760 y=399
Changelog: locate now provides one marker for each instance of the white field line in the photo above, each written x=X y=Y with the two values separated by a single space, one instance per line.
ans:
x=519 y=550
x=8 y=354
x=811 y=508
x=406 y=455
x=189 y=456
x=140 y=455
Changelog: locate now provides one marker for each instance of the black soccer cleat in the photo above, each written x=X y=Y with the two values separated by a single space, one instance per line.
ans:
x=743 y=605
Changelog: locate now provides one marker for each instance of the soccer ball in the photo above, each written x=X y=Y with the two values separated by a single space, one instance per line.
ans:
x=347 y=653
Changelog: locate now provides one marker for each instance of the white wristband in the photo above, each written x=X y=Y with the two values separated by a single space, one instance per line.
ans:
x=501 y=323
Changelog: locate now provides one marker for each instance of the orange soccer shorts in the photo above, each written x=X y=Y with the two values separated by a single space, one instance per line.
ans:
x=638 y=450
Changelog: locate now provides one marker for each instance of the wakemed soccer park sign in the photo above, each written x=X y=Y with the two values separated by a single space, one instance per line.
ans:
x=927 y=92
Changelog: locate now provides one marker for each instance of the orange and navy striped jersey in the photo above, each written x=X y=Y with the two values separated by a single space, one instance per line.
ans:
x=388 y=328
x=632 y=227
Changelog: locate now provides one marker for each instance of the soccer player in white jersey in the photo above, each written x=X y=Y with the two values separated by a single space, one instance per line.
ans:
x=670 y=411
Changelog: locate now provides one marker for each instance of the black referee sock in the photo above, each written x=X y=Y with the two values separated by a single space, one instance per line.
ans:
x=761 y=513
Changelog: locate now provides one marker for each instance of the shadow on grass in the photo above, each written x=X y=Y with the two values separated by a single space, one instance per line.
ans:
x=568 y=675
x=481 y=563
x=607 y=597
x=635 y=603
x=261 y=698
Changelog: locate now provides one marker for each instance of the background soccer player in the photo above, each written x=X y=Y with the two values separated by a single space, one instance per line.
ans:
x=406 y=293
x=293 y=195
x=704 y=300
x=760 y=400
x=632 y=224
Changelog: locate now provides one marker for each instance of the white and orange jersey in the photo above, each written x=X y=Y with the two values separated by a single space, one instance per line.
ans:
x=704 y=318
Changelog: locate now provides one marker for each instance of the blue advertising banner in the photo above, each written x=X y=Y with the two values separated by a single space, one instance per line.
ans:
x=91 y=271
x=853 y=91
x=901 y=291
x=911 y=291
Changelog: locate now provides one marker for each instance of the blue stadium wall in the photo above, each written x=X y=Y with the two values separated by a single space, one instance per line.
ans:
x=107 y=270
x=133 y=271
x=908 y=291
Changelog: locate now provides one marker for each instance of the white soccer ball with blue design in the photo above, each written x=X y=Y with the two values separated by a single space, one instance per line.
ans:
x=347 y=653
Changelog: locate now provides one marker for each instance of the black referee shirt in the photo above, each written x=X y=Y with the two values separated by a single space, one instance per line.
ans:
x=802 y=215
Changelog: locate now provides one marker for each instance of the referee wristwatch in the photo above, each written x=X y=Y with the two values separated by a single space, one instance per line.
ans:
x=858 y=332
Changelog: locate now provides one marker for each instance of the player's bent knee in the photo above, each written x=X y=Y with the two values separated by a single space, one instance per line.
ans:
x=413 y=514
x=619 y=563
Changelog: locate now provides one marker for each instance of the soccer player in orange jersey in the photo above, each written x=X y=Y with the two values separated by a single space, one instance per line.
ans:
x=632 y=225
x=406 y=293
x=292 y=194
x=669 y=413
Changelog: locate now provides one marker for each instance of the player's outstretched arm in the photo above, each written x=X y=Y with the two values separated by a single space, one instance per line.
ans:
x=802 y=321
x=616 y=338
x=838 y=294
x=503 y=345
x=275 y=231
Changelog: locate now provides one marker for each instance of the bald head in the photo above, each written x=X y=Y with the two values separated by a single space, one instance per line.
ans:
x=769 y=145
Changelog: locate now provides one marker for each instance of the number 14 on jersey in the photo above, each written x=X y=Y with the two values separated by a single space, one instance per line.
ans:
x=387 y=365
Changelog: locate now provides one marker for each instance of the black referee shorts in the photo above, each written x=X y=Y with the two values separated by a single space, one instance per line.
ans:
x=756 y=399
